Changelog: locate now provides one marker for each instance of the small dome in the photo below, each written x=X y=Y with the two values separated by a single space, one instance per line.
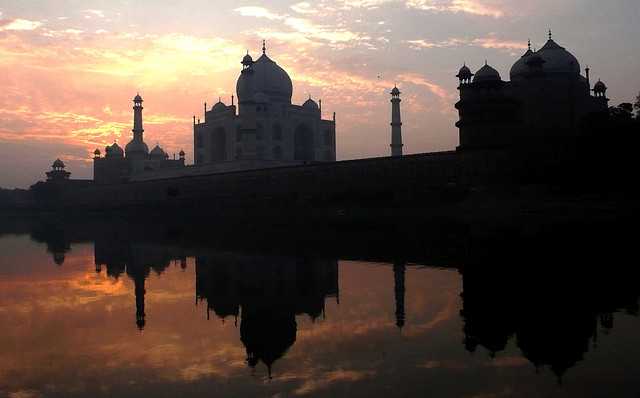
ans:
x=182 y=153
x=486 y=73
x=600 y=87
x=58 y=164
x=96 y=152
x=219 y=107
x=558 y=60
x=310 y=105
x=247 y=60
x=520 y=67
x=157 y=152
x=464 y=73
x=115 y=150
x=137 y=98
x=395 y=91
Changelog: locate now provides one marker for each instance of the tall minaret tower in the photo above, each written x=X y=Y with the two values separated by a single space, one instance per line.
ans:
x=137 y=119
x=136 y=150
x=396 y=124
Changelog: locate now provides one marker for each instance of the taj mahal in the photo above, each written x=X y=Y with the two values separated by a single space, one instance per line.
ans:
x=264 y=130
x=546 y=103
x=265 y=126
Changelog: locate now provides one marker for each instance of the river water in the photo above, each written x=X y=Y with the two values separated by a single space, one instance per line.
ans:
x=105 y=316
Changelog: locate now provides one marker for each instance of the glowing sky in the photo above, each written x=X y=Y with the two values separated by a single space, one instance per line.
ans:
x=69 y=68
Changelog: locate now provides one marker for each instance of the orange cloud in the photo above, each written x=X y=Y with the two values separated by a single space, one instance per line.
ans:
x=490 y=41
x=19 y=24
x=475 y=7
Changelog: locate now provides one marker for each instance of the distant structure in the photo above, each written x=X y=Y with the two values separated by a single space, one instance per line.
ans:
x=266 y=126
x=545 y=102
x=58 y=172
x=58 y=181
x=396 y=123
x=120 y=165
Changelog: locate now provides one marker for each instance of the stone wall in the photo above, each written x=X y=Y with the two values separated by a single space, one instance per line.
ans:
x=367 y=182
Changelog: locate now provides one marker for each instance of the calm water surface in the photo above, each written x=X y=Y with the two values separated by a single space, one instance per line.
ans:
x=112 y=318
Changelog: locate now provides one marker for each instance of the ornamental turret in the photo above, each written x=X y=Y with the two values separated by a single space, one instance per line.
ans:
x=600 y=89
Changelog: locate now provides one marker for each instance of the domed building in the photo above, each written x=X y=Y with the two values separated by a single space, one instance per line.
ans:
x=545 y=102
x=265 y=127
x=122 y=165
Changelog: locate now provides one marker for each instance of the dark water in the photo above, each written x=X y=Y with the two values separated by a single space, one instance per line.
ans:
x=86 y=315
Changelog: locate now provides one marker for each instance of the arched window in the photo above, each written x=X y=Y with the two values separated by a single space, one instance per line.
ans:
x=303 y=143
x=277 y=132
x=219 y=145
x=277 y=152
x=328 y=137
x=199 y=140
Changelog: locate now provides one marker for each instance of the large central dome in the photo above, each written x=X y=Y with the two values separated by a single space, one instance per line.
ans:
x=266 y=77
x=556 y=60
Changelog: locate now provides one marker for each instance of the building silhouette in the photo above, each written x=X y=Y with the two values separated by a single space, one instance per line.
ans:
x=119 y=165
x=265 y=126
x=58 y=172
x=546 y=102
x=266 y=293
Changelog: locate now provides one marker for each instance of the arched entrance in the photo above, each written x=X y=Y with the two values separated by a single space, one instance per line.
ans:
x=303 y=143
x=219 y=145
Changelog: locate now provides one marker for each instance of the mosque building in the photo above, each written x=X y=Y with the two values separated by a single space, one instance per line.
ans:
x=120 y=165
x=543 y=110
x=265 y=127
x=546 y=102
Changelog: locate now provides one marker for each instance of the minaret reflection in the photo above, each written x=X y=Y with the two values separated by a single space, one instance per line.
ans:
x=399 y=269
x=267 y=293
x=137 y=261
x=140 y=292
x=56 y=239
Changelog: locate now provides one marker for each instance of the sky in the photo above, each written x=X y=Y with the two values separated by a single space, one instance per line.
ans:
x=69 y=68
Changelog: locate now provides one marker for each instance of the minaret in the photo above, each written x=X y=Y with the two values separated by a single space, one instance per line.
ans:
x=137 y=119
x=396 y=124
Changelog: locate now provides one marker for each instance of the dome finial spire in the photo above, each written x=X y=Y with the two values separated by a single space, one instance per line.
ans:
x=550 y=35
x=264 y=47
x=529 y=44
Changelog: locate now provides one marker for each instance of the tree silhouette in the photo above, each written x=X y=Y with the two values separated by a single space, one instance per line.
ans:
x=622 y=113
x=637 y=106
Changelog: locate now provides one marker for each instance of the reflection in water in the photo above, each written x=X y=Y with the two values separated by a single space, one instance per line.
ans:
x=554 y=316
x=268 y=292
x=553 y=320
x=398 y=273
x=136 y=261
